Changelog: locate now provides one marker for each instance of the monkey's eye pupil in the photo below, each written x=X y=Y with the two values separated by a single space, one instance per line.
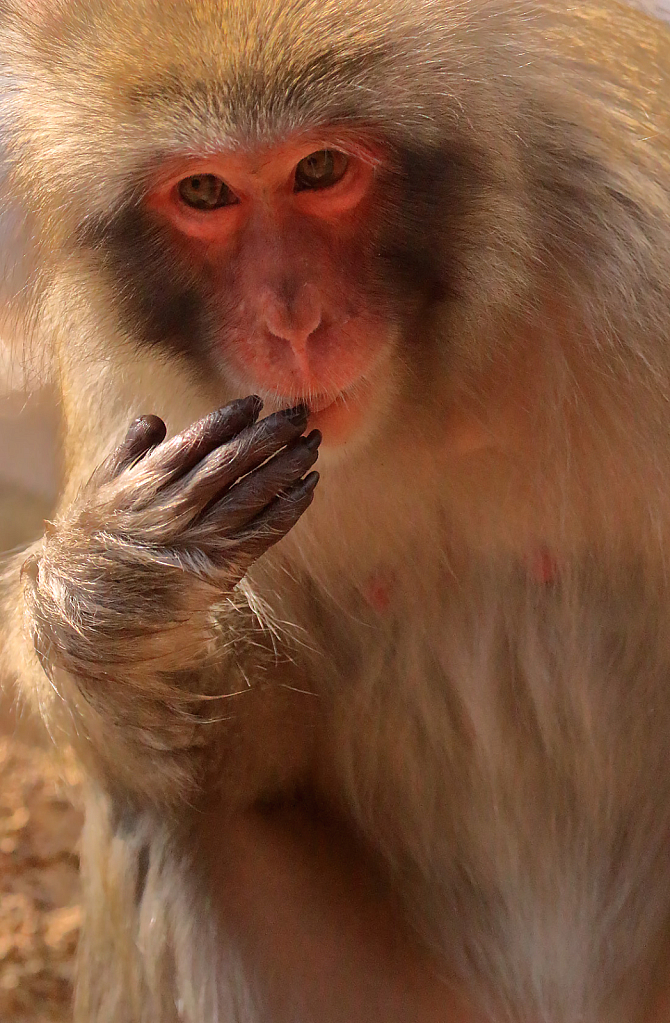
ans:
x=205 y=192
x=320 y=169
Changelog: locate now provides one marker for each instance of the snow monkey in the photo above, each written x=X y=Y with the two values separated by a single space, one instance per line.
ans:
x=393 y=744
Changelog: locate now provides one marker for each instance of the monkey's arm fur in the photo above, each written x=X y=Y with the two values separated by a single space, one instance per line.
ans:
x=130 y=598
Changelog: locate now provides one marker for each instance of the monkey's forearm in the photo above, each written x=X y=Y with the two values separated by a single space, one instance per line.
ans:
x=122 y=690
x=19 y=665
x=130 y=600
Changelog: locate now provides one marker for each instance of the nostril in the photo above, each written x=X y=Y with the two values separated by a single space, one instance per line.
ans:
x=295 y=321
x=296 y=333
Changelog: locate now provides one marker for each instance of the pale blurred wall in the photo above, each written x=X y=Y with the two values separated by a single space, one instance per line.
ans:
x=28 y=455
x=659 y=7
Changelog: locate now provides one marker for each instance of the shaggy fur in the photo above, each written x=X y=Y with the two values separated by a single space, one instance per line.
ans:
x=497 y=731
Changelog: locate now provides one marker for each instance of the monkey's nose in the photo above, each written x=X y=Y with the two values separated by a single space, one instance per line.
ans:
x=293 y=321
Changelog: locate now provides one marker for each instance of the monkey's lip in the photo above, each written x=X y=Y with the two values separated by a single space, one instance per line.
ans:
x=320 y=404
x=337 y=416
x=315 y=403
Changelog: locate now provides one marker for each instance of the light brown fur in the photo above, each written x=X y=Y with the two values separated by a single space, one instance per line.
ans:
x=499 y=743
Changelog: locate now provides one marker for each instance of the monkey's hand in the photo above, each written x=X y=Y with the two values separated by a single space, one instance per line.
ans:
x=119 y=598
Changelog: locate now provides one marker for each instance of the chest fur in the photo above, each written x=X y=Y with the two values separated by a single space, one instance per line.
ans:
x=503 y=742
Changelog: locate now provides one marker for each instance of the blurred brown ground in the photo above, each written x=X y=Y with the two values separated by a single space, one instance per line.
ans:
x=39 y=825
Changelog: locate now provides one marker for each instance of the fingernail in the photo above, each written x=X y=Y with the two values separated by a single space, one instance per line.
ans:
x=310 y=481
x=313 y=440
x=251 y=402
x=147 y=429
x=299 y=414
x=252 y=405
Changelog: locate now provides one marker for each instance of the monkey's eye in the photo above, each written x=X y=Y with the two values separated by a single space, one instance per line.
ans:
x=206 y=192
x=320 y=170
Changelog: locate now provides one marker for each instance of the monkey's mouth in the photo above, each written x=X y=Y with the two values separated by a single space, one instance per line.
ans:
x=337 y=415
x=316 y=403
x=322 y=402
x=342 y=416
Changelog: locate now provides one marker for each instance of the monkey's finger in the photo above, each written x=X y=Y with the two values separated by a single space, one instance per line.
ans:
x=275 y=521
x=244 y=453
x=180 y=454
x=263 y=440
x=144 y=433
x=247 y=499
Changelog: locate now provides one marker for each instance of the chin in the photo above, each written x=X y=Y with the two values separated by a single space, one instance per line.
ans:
x=347 y=421
x=347 y=418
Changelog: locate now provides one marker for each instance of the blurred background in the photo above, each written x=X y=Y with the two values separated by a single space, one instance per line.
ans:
x=39 y=823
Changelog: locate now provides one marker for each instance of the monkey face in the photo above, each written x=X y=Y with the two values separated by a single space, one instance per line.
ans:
x=281 y=245
x=261 y=215
x=266 y=204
